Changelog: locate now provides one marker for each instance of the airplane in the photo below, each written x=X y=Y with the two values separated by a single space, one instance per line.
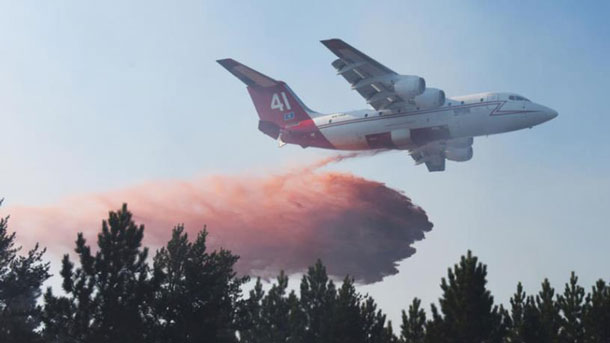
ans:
x=405 y=114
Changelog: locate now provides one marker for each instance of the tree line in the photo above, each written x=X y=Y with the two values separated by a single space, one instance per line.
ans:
x=188 y=293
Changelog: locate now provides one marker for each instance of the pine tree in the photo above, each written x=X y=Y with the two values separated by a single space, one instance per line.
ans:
x=413 y=328
x=374 y=320
x=251 y=323
x=347 y=321
x=108 y=296
x=197 y=293
x=435 y=327
x=388 y=334
x=469 y=314
x=21 y=278
x=597 y=313
x=272 y=317
x=318 y=295
x=322 y=314
x=572 y=306
x=525 y=325
x=548 y=313
x=281 y=311
x=517 y=315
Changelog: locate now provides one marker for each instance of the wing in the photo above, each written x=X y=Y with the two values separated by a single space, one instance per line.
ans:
x=434 y=154
x=371 y=79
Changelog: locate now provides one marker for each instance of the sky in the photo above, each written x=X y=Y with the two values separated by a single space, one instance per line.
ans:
x=101 y=95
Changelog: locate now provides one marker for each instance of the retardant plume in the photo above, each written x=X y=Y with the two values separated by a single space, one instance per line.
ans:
x=283 y=221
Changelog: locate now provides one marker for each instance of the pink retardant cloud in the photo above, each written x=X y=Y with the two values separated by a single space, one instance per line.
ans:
x=284 y=221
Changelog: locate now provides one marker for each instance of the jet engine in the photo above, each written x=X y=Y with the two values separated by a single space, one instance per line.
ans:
x=458 y=154
x=409 y=86
x=430 y=98
x=461 y=142
x=401 y=138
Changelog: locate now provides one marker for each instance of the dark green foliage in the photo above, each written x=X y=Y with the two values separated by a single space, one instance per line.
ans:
x=317 y=299
x=322 y=313
x=517 y=315
x=413 y=328
x=547 y=312
x=525 y=326
x=435 y=331
x=108 y=295
x=274 y=317
x=194 y=295
x=346 y=320
x=572 y=306
x=196 y=291
x=469 y=313
x=21 y=278
x=374 y=321
x=597 y=314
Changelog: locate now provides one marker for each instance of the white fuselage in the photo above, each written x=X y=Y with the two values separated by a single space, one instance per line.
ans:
x=465 y=116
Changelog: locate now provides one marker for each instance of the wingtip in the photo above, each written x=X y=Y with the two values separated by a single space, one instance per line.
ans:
x=333 y=43
x=329 y=41
x=227 y=62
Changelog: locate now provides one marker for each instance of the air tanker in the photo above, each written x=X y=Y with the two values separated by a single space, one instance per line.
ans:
x=405 y=114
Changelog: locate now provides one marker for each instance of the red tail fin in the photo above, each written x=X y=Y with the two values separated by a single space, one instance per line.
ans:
x=276 y=104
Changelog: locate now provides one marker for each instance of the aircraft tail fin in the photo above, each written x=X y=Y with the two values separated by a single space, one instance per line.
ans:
x=277 y=105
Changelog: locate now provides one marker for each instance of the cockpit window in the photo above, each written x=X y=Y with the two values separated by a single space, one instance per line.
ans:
x=518 y=98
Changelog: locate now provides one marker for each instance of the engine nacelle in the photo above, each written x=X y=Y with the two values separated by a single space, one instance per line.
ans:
x=458 y=154
x=431 y=98
x=461 y=142
x=401 y=138
x=409 y=86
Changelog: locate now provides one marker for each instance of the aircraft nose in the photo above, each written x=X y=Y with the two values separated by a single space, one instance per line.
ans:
x=551 y=113
x=547 y=113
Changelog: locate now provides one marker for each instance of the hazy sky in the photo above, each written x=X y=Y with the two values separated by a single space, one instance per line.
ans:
x=100 y=95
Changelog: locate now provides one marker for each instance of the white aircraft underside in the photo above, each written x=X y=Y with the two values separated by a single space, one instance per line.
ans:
x=405 y=114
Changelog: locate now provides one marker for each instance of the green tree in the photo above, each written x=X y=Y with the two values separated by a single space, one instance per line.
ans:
x=197 y=293
x=597 y=313
x=517 y=315
x=318 y=295
x=271 y=317
x=108 y=296
x=435 y=327
x=525 y=326
x=346 y=319
x=547 y=313
x=413 y=328
x=251 y=320
x=21 y=278
x=572 y=306
x=469 y=313
x=323 y=313
x=374 y=320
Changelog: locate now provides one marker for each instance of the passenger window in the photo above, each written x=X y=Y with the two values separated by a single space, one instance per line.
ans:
x=462 y=103
x=330 y=121
x=481 y=99
x=366 y=115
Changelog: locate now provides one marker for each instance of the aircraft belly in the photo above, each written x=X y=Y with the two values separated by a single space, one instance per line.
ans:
x=346 y=137
x=376 y=134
